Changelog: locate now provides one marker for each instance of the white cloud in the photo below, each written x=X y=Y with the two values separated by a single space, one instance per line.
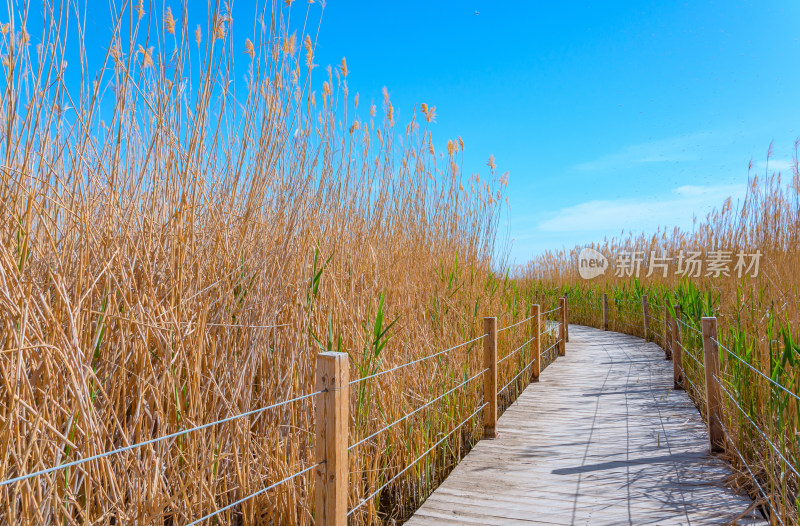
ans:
x=672 y=149
x=774 y=165
x=612 y=216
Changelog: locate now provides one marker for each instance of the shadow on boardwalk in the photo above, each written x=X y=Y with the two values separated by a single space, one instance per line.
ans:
x=601 y=439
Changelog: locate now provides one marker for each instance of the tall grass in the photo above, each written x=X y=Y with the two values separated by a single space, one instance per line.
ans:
x=758 y=317
x=182 y=234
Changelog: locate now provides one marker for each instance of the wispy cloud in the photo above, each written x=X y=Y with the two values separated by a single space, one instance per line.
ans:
x=612 y=216
x=672 y=149
x=774 y=165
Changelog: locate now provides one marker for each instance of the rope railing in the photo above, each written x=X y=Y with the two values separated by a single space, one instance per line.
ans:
x=153 y=441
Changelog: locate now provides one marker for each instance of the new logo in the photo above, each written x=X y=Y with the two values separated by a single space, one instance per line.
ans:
x=591 y=263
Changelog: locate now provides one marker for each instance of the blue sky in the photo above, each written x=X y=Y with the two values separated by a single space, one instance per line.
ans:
x=608 y=116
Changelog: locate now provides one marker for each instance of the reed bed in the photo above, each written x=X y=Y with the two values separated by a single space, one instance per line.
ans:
x=757 y=316
x=182 y=234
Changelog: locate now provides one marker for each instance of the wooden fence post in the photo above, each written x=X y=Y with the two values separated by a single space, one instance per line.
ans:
x=566 y=319
x=490 y=378
x=645 y=315
x=562 y=327
x=605 y=311
x=537 y=346
x=667 y=333
x=677 y=356
x=711 y=363
x=332 y=419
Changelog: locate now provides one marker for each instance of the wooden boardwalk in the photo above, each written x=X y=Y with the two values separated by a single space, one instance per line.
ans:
x=601 y=439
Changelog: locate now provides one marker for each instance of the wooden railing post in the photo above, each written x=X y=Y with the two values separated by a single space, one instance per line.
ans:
x=605 y=311
x=537 y=346
x=332 y=419
x=667 y=333
x=645 y=315
x=677 y=356
x=562 y=327
x=566 y=319
x=490 y=378
x=711 y=363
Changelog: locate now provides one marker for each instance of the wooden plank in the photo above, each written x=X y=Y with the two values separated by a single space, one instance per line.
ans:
x=602 y=438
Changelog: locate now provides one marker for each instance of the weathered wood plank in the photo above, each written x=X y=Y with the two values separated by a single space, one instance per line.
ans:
x=602 y=438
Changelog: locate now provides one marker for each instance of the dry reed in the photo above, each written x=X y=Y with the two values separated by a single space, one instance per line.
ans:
x=182 y=234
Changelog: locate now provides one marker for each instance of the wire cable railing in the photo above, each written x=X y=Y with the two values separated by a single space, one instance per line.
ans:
x=338 y=362
x=255 y=494
x=497 y=363
x=767 y=378
x=691 y=355
x=764 y=494
x=517 y=376
x=699 y=388
x=415 y=411
x=515 y=324
x=685 y=376
x=543 y=353
x=550 y=330
x=756 y=426
x=80 y=461
x=424 y=358
x=550 y=350
x=515 y=351
x=689 y=326
x=411 y=464
x=617 y=316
